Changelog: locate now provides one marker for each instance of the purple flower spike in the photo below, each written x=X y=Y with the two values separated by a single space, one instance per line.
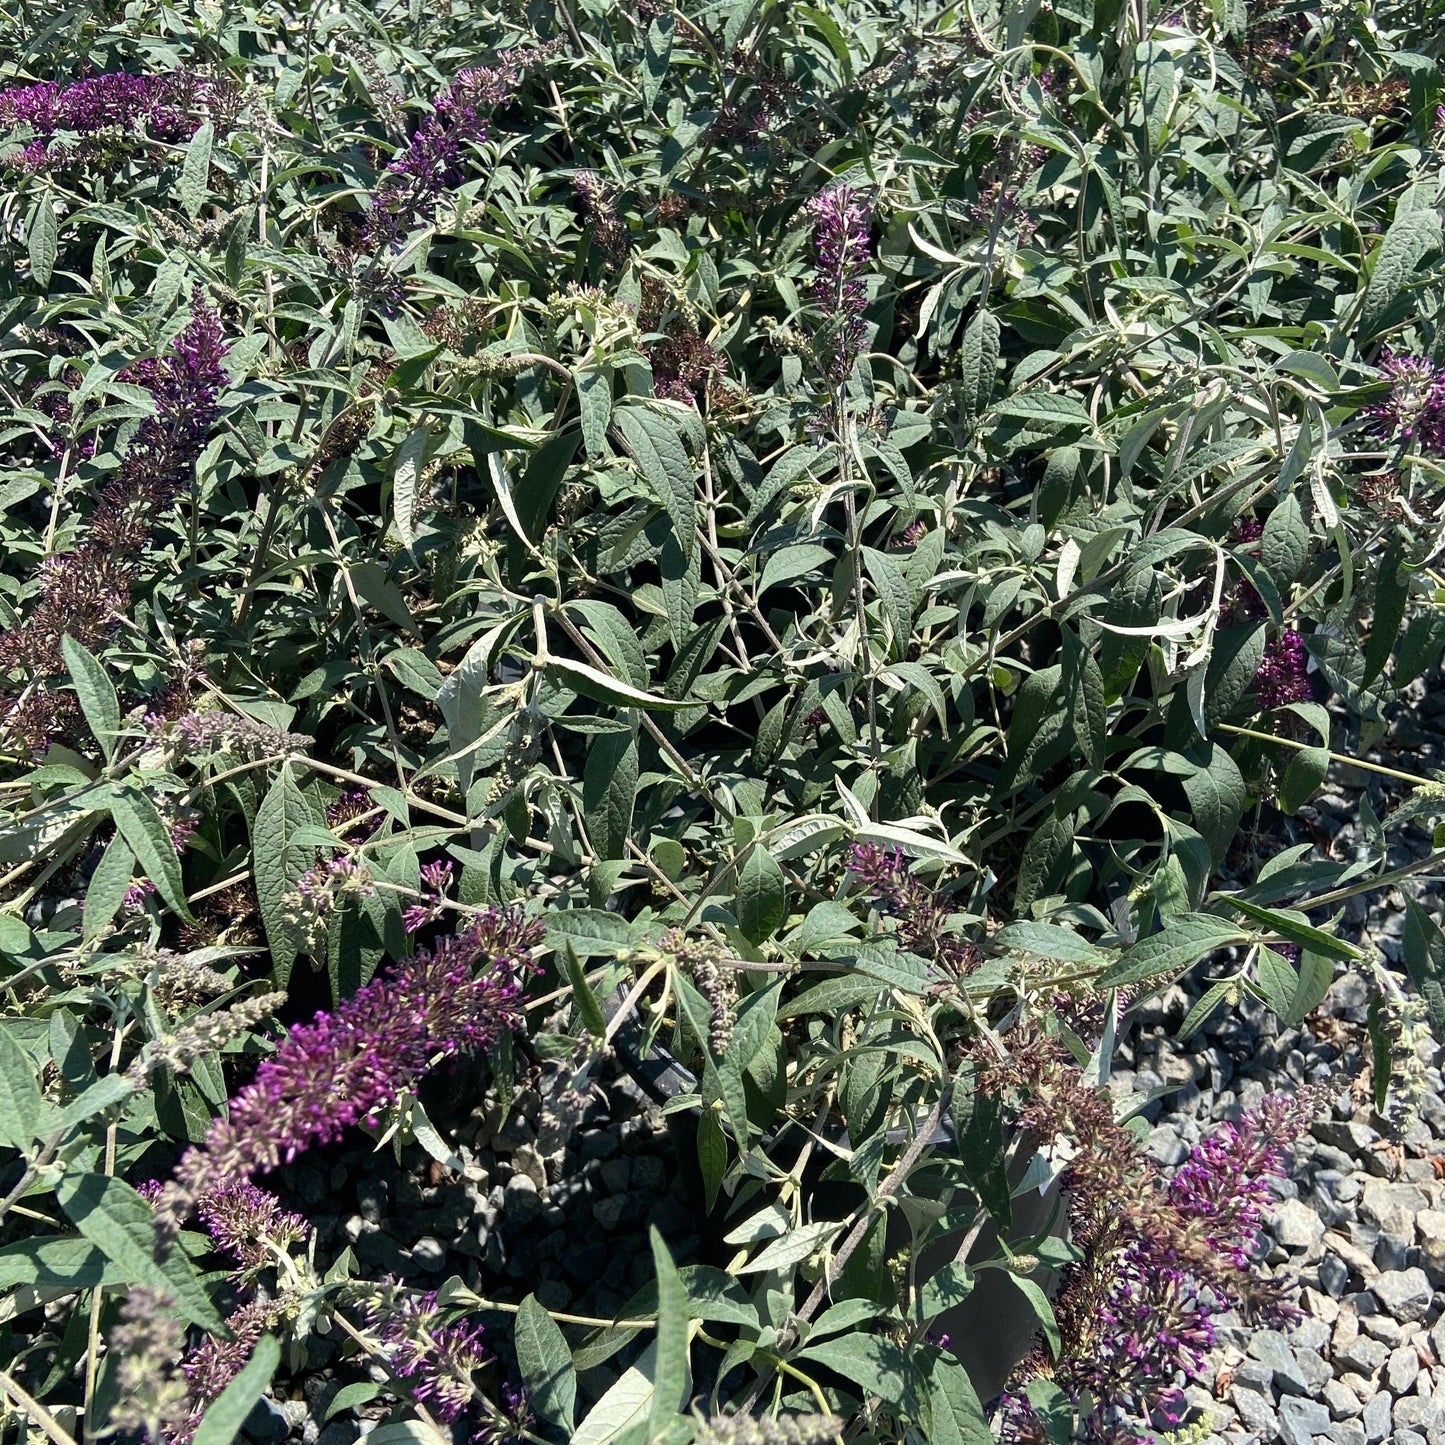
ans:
x=342 y=1067
x=435 y=1358
x=841 y=221
x=1282 y=677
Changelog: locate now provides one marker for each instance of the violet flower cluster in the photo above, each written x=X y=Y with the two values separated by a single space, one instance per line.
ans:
x=435 y=1358
x=436 y=879
x=431 y=162
x=320 y=892
x=919 y=912
x=344 y=1066
x=82 y=592
x=1414 y=411
x=1160 y=1261
x=171 y=107
x=246 y=1222
x=841 y=221
x=1283 y=676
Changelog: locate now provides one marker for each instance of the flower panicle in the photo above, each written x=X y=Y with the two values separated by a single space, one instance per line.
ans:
x=344 y=1066
x=246 y=1222
x=84 y=592
x=841 y=223
x=920 y=912
x=436 y=1358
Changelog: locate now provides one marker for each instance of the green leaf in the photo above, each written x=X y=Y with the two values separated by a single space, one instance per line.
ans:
x=587 y=1005
x=147 y=836
x=277 y=863
x=1424 y=950
x=1048 y=845
x=406 y=474
x=1277 y=980
x=98 y=700
x=875 y=1365
x=790 y=562
x=107 y=887
x=793 y=1248
x=1291 y=925
x=651 y=438
x=1284 y=543
x=656 y=55
x=114 y=1218
x=1392 y=595
x=1039 y=1303
x=1184 y=940
x=977 y=1119
x=955 y=1415
x=609 y=790
x=594 y=404
x=227 y=1412
x=670 y=1370
x=894 y=598
x=43 y=240
x=196 y=169
x=360 y=1392
x=615 y=637
x=762 y=895
x=978 y=362
x=1306 y=770
x=588 y=930
x=1037 y=418
x=21 y=1104
x=1217 y=797
x=712 y=1156
x=1394 y=263
x=546 y=1364
x=591 y=682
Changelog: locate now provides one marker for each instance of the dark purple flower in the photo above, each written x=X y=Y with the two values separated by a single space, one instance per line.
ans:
x=342 y=1067
x=83 y=592
x=920 y=912
x=435 y=1358
x=841 y=221
x=245 y=1221
x=171 y=106
x=436 y=879
x=1282 y=677
x=1414 y=411
x=215 y=1362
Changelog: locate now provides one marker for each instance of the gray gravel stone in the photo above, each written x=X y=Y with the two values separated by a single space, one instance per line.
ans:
x=1341 y=1400
x=1272 y=1349
x=1334 y=1275
x=1405 y=1294
x=1297 y=1226
x=1346 y=1432
x=1255 y=1411
x=1402 y=1370
x=1377 y=1417
x=1361 y=1355
x=1301 y=1420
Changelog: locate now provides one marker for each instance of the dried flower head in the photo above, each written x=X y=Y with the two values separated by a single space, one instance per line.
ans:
x=768 y=1429
x=920 y=913
x=153 y=1398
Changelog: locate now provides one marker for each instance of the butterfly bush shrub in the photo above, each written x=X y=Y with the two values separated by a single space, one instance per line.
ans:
x=834 y=544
